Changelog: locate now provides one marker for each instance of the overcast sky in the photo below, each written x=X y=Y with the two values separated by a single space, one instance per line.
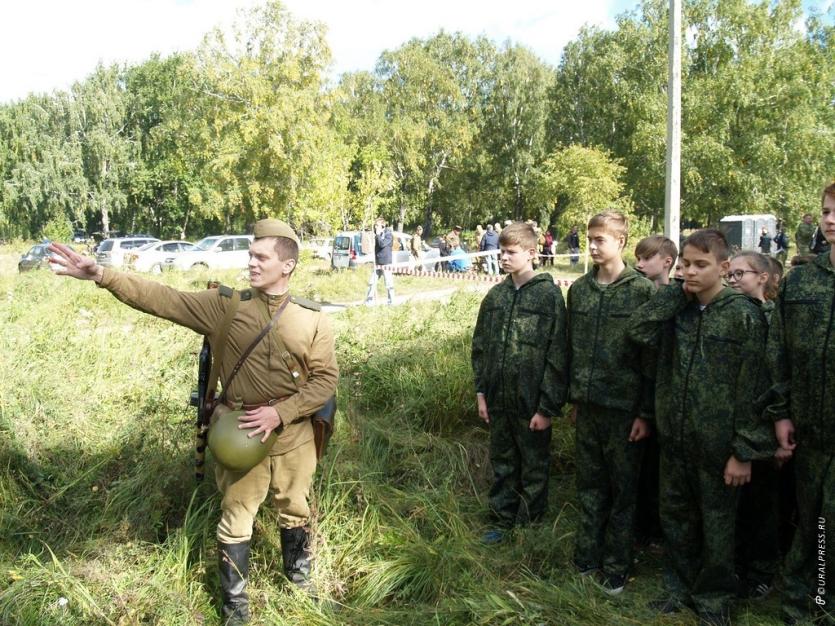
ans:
x=49 y=44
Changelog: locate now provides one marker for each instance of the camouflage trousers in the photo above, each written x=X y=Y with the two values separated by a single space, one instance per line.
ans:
x=809 y=570
x=698 y=517
x=607 y=469
x=521 y=461
x=757 y=520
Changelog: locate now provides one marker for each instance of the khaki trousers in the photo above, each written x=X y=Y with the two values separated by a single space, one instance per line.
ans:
x=287 y=475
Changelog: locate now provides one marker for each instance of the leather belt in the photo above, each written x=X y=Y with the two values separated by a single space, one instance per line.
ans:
x=250 y=406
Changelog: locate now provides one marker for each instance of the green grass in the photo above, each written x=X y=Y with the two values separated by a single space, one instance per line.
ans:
x=98 y=504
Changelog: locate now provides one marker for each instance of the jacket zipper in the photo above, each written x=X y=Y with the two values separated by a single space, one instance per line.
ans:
x=507 y=335
x=594 y=346
x=687 y=379
x=824 y=360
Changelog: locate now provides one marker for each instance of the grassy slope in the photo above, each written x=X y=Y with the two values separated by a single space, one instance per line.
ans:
x=98 y=505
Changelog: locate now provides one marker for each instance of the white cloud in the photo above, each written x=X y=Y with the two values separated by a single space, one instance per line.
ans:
x=49 y=44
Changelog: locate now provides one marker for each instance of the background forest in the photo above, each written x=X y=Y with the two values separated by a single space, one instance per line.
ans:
x=444 y=130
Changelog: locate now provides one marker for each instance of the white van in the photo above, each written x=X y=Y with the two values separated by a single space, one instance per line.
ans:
x=111 y=252
x=216 y=252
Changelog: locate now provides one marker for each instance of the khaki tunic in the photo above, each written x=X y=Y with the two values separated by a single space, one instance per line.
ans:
x=264 y=376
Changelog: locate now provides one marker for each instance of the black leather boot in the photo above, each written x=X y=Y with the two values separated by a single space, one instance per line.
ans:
x=295 y=548
x=233 y=565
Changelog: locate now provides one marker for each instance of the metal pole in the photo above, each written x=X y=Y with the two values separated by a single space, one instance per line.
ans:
x=672 y=191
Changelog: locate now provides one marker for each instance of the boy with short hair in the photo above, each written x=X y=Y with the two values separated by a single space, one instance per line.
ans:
x=519 y=363
x=801 y=359
x=607 y=388
x=710 y=342
x=655 y=256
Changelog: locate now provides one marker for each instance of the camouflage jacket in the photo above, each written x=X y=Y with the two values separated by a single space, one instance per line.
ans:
x=767 y=308
x=519 y=349
x=604 y=365
x=803 y=237
x=801 y=354
x=709 y=373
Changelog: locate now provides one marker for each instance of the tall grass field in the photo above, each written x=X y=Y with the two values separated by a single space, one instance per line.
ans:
x=101 y=522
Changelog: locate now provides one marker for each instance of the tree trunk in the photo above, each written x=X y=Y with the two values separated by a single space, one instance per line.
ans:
x=402 y=215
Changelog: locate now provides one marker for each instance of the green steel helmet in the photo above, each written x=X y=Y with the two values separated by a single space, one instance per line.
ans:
x=232 y=447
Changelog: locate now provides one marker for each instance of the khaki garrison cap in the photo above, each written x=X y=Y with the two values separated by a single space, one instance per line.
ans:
x=274 y=228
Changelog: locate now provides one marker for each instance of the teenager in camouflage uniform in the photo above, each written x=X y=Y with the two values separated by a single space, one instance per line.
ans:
x=801 y=358
x=804 y=234
x=605 y=387
x=758 y=544
x=519 y=362
x=710 y=342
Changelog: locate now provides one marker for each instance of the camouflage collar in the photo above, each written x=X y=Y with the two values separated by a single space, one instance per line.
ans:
x=629 y=273
x=823 y=260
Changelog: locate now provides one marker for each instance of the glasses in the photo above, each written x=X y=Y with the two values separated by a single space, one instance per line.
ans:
x=738 y=274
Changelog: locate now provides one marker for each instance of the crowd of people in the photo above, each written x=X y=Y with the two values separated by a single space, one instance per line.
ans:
x=704 y=407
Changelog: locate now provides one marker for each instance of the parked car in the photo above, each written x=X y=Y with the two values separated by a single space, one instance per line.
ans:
x=347 y=251
x=322 y=248
x=111 y=252
x=156 y=256
x=36 y=258
x=216 y=252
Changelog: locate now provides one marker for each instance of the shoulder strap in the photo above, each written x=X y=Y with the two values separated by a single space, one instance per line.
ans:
x=251 y=347
x=220 y=343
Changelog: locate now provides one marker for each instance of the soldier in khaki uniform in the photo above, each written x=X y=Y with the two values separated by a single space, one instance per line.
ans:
x=275 y=397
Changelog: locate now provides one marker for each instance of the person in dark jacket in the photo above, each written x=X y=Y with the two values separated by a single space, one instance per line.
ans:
x=608 y=391
x=709 y=372
x=519 y=365
x=383 y=240
x=573 y=246
x=801 y=360
x=490 y=242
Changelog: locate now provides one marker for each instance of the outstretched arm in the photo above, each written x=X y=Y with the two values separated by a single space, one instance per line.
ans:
x=200 y=311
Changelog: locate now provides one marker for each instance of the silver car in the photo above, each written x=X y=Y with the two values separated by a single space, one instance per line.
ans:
x=111 y=252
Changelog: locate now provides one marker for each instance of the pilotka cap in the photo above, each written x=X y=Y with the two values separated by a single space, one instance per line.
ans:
x=274 y=228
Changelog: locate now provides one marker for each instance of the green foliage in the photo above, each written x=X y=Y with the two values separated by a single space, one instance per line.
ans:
x=57 y=229
x=444 y=130
x=579 y=182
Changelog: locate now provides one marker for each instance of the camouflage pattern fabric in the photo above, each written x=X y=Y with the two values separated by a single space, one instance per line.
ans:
x=698 y=518
x=607 y=478
x=521 y=460
x=519 y=363
x=758 y=553
x=708 y=375
x=710 y=371
x=801 y=354
x=519 y=349
x=605 y=366
x=801 y=360
x=803 y=593
x=803 y=237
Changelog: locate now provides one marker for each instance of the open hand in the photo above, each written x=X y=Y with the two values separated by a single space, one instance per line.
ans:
x=264 y=419
x=73 y=264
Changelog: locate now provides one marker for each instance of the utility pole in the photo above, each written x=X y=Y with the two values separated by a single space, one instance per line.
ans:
x=672 y=190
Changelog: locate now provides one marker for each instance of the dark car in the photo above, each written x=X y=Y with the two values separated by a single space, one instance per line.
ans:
x=36 y=258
